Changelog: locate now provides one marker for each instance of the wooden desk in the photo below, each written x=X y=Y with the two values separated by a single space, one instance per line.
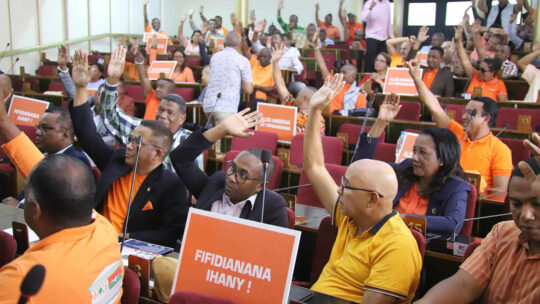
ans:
x=9 y=214
x=313 y=215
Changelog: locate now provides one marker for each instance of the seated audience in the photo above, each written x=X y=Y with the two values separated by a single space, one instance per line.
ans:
x=484 y=47
x=293 y=26
x=331 y=30
x=159 y=206
x=509 y=69
x=191 y=47
x=125 y=102
x=504 y=15
x=398 y=54
x=431 y=184
x=484 y=81
x=182 y=73
x=437 y=40
x=374 y=82
x=301 y=101
x=220 y=29
x=531 y=74
x=156 y=24
x=350 y=97
x=290 y=60
x=438 y=80
x=324 y=41
x=261 y=71
x=451 y=59
x=375 y=258
x=504 y=268
x=481 y=151
x=350 y=24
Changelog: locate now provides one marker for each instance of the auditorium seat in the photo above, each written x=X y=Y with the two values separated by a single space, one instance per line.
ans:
x=30 y=131
x=519 y=152
x=55 y=86
x=458 y=111
x=273 y=183
x=420 y=241
x=94 y=58
x=332 y=150
x=307 y=195
x=46 y=70
x=410 y=110
x=302 y=77
x=131 y=287
x=18 y=85
x=186 y=93
x=329 y=59
x=190 y=297
x=470 y=211
x=8 y=247
x=193 y=61
x=135 y=92
x=292 y=218
x=385 y=152
x=259 y=140
x=353 y=131
x=509 y=116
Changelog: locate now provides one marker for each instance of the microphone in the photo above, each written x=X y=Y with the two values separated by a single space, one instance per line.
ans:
x=474 y=219
x=473 y=114
x=13 y=65
x=370 y=104
x=31 y=283
x=213 y=110
x=506 y=126
x=139 y=143
x=266 y=157
x=5 y=50
x=291 y=187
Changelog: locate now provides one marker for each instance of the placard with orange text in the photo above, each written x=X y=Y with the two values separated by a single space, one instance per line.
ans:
x=399 y=81
x=236 y=259
x=26 y=111
x=404 y=146
x=148 y=36
x=278 y=119
x=157 y=67
x=161 y=45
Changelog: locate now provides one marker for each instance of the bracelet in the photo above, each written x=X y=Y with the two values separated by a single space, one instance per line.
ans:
x=136 y=62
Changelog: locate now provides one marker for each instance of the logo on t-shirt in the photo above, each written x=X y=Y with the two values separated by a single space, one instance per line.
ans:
x=108 y=285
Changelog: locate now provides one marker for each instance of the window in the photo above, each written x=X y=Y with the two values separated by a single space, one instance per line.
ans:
x=422 y=14
x=454 y=12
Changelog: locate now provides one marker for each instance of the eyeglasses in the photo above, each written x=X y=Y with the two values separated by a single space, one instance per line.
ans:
x=135 y=140
x=344 y=185
x=469 y=112
x=484 y=70
x=241 y=176
x=46 y=128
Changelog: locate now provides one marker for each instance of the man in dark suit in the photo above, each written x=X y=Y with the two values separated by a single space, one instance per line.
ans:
x=238 y=191
x=439 y=81
x=159 y=207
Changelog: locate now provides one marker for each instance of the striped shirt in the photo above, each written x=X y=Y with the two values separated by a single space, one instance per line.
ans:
x=504 y=267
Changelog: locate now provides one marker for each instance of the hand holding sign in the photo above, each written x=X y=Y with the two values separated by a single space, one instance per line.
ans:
x=116 y=65
x=326 y=93
x=237 y=124
x=390 y=108
x=80 y=73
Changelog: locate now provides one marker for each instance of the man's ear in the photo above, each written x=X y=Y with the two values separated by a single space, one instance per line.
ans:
x=183 y=119
x=34 y=209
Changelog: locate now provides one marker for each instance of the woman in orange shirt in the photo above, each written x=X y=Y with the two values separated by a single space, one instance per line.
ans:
x=182 y=73
x=374 y=83
x=431 y=183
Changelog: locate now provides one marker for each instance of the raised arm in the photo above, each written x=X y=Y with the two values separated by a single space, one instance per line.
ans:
x=317 y=14
x=463 y=58
x=146 y=85
x=281 y=87
x=63 y=72
x=201 y=9
x=481 y=5
x=415 y=47
x=426 y=97
x=321 y=63
x=322 y=181
x=524 y=61
x=391 y=44
x=477 y=40
x=341 y=15
x=145 y=12
x=181 y=36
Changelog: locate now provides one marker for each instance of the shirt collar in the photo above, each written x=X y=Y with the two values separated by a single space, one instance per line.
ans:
x=381 y=223
x=60 y=151
x=250 y=200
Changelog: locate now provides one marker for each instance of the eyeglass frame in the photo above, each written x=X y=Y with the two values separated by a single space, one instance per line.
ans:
x=46 y=128
x=133 y=140
x=232 y=170
x=467 y=111
x=343 y=186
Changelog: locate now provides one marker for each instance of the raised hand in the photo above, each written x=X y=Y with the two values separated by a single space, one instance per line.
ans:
x=327 y=92
x=80 y=73
x=277 y=52
x=316 y=6
x=281 y=5
x=190 y=12
x=341 y=2
x=183 y=19
x=476 y=26
x=237 y=124
x=252 y=18
x=116 y=64
x=145 y=2
x=422 y=34
x=414 y=68
x=63 y=57
x=390 y=108
x=458 y=33
x=259 y=27
x=534 y=147
x=201 y=9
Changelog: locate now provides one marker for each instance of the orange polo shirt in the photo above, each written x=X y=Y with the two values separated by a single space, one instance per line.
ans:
x=185 y=76
x=130 y=72
x=352 y=29
x=149 y=29
x=115 y=209
x=337 y=102
x=429 y=76
x=262 y=76
x=488 y=156
x=397 y=60
x=83 y=265
x=412 y=203
x=491 y=89
x=332 y=31
x=152 y=104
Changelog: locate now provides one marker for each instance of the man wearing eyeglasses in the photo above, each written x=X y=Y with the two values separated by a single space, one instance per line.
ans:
x=54 y=135
x=481 y=151
x=159 y=203
x=236 y=192
x=375 y=258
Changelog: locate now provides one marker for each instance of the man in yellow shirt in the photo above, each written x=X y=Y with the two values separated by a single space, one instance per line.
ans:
x=375 y=258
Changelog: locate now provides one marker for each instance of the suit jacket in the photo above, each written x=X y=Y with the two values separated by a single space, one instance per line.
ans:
x=207 y=189
x=78 y=154
x=446 y=208
x=443 y=84
x=163 y=224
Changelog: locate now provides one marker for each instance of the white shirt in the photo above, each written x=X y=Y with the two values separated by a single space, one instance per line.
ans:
x=289 y=61
x=508 y=27
x=225 y=207
x=227 y=71
x=95 y=85
x=532 y=76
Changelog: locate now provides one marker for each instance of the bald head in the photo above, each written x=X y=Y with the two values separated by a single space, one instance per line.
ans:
x=5 y=85
x=232 y=39
x=374 y=175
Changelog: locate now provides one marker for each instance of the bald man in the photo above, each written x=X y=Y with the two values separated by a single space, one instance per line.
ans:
x=6 y=89
x=375 y=258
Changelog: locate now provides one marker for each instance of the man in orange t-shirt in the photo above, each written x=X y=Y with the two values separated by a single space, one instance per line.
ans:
x=261 y=71
x=156 y=24
x=331 y=30
x=351 y=25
